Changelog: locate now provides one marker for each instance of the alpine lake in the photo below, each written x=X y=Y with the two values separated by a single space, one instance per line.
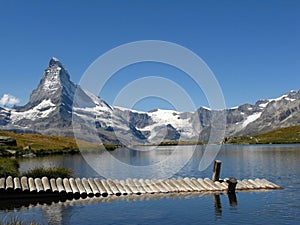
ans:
x=279 y=164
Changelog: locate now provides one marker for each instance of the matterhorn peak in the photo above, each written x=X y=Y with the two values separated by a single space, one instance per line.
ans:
x=55 y=61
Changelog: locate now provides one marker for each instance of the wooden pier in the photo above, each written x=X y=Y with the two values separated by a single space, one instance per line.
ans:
x=15 y=187
x=71 y=188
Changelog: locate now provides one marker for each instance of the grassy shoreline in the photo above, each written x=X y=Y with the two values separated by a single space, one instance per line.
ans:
x=43 y=145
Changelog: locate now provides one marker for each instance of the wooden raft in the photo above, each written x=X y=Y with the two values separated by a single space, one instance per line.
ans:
x=15 y=187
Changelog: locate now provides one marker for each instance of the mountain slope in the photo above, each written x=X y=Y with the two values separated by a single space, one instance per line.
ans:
x=57 y=106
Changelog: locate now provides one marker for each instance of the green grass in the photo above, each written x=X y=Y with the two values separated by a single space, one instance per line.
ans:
x=9 y=167
x=41 y=145
x=288 y=135
x=54 y=172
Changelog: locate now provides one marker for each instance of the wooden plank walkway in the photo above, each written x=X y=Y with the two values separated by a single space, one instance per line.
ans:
x=14 y=187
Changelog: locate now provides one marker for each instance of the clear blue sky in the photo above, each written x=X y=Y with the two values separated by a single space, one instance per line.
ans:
x=253 y=47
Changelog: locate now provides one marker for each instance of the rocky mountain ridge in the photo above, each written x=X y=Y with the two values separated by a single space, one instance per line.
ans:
x=58 y=106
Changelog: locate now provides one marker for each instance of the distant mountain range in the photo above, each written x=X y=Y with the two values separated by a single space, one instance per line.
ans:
x=58 y=105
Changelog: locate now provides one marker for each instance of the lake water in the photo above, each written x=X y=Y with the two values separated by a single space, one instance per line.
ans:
x=277 y=163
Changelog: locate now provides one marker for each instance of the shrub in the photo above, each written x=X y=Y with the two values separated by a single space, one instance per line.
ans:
x=48 y=172
x=9 y=167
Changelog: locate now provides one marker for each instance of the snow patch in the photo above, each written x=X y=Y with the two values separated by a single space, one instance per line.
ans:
x=263 y=105
x=251 y=118
x=42 y=110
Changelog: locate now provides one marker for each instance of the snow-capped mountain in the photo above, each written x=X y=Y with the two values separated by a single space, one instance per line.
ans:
x=58 y=105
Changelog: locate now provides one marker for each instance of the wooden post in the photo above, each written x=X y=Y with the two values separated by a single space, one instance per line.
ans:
x=217 y=170
x=231 y=184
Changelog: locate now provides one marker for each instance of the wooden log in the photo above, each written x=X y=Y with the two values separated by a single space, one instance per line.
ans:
x=100 y=187
x=132 y=186
x=151 y=186
x=60 y=186
x=31 y=185
x=2 y=184
x=244 y=185
x=272 y=185
x=212 y=184
x=203 y=184
x=87 y=187
x=173 y=187
x=216 y=170
x=255 y=185
x=139 y=186
x=158 y=184
x=9 y=186
x=197 y=184
x=17 y=184
x=53 y=186
x=94 y=188
x=167 y=187
x=220 y=186
x=106 y=186
x=120 y=187
x=184 y=184
x=126 y=187
x=265 y=184
x=248 y=184
x=80 y=188
x=239 y=185
x=146 y=187
x=74 y=188
x=24 y=185
x=190 y=183
x=46 y=184
x=178 y=185
x=39 y=186
x=113 y=187
x=67 y=187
